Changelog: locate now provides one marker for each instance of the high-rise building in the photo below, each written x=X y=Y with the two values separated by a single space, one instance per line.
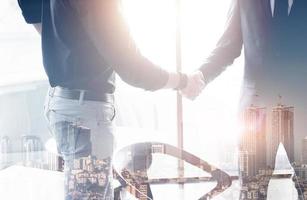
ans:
x=247 y=164
x=253 y=139
x=282 y=131
x=304 y=151
x=301 y=171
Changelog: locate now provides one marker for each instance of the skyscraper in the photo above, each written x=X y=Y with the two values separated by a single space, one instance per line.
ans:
x=253 y=142
x=304 y=151
x=247 y=164
x=282 y=131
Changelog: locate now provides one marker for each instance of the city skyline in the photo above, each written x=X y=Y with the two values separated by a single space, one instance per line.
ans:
x=264 y=128
x=263 y=131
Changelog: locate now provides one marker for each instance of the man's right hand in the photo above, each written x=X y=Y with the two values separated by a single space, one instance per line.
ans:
x=195 y=85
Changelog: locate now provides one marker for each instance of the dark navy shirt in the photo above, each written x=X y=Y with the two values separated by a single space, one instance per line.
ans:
x=84 y=42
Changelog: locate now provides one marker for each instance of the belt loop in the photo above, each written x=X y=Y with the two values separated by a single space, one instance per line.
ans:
x=81 y=97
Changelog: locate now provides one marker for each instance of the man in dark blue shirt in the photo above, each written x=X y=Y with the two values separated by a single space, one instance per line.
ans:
x=84 y=43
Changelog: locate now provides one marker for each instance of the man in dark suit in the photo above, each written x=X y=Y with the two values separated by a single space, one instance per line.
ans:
x=274 y=36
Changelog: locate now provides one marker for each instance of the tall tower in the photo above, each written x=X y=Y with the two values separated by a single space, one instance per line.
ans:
x=304 y=151
x=282 y=131
x=253 y=140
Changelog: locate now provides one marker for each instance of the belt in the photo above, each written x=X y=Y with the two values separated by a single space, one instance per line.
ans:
x=81 y=94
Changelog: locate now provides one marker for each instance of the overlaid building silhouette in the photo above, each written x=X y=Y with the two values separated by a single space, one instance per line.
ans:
x=253 y=141
x=304 y=151
x=282 y=131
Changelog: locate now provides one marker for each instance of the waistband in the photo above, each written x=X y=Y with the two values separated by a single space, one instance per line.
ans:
x=81 y=95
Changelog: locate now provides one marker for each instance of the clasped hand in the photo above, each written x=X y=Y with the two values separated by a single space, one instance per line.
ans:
x=195 y=84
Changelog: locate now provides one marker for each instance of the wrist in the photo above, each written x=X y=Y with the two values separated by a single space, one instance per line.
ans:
x=176 y=81
x=172 y=81
x=183 y=81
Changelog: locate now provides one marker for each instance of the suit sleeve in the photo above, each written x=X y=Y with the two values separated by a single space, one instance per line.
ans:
x=228 y=47
x=31 y=10
x=108 y=31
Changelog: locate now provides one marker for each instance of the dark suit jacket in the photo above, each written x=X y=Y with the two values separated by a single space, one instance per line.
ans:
x=268 y=49
x=275 y=59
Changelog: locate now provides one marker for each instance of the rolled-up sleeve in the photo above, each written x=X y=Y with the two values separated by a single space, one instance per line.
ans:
x=31 y=10
x=108 y=31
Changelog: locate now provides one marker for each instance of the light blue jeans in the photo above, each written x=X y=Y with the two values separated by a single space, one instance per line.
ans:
x=83 y=132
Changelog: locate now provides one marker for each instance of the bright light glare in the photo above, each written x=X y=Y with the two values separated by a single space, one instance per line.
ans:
x=51 y=146
x=212 y=117
x=20 y=52
x=152 y=24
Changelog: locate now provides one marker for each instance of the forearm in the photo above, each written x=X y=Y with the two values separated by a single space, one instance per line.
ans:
x=140 y=72
x=110 y=34
x=219 y=60
x=228 y=47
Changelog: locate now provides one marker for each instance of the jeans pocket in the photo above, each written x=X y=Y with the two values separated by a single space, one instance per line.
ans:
x=106 y=114
x=72 y=141
x=112 y=113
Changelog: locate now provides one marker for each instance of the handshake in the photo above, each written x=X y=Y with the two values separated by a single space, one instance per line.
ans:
x=189 y=85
